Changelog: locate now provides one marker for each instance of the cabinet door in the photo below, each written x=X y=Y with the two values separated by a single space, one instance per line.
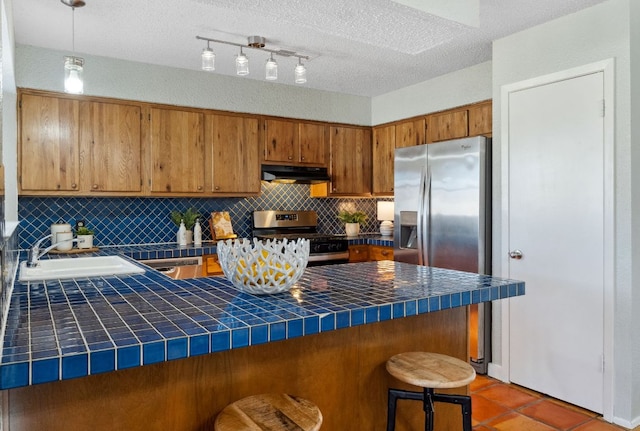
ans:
x=379 y=252
x=313 y=143
x=350 y=161
x=236 y=163
x=280 y=141
x=177 y=151
x=410 y=133
x=111 y=133
x=480 y=119
x=49 y=145
x=358 y=253
x=384 y=144
x=448 y=125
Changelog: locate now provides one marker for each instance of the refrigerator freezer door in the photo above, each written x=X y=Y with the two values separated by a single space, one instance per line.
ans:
x=410 y=162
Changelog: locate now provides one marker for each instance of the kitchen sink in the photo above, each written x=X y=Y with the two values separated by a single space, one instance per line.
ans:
x=76 y=267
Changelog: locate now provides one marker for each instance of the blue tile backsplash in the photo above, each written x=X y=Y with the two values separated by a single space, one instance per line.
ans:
x=128 y=221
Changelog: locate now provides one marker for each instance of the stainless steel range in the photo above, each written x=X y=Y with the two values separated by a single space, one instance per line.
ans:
x=324 y=249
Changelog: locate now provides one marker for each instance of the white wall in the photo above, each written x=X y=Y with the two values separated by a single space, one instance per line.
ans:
x=634 y=308
x=591 y=35
x=458 y=88
x=9 y=113
x=42 y=69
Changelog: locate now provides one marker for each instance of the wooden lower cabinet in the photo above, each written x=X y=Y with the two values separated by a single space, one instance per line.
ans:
x=211 y=265
x=379 y=252
x=366 y=253
x=358 y=253
x=342 y=372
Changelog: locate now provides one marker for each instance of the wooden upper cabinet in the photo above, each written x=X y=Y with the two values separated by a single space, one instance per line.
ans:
x=111 y=134
x=177 y=151
x=411 y=133
x=49 y=144
x=384 y=144
x=350 y=161
x=280 y=141
x=385 y=140
x=448 y=125
x=313 y=143
x=480 y=119
x=235 y=146
x=295 y=143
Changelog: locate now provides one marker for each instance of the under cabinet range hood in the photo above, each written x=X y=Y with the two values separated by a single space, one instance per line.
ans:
x=294 y=174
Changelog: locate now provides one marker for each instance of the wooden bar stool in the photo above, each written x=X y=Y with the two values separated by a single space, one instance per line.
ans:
x=273 y=412
x=429 y=371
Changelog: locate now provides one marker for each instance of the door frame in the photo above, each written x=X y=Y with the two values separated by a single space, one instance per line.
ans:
x=607 y=67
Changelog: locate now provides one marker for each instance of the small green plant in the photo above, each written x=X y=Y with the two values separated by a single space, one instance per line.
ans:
x=84 y=231
x=189 y=217
x=352 y=217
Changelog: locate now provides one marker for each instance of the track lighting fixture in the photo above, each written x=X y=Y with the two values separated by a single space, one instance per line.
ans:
x=73 y=66
x=242 y=61
x=208 y=59
x=242 y=64
x=271 y=69
x=300 y=73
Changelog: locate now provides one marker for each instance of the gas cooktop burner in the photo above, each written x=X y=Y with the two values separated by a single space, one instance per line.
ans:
x=310 y=236
x=324 y=248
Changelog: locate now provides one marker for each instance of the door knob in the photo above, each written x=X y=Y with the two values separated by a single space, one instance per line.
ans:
x=515 y=254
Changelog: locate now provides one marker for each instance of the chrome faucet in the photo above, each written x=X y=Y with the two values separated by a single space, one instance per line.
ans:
x=35 y=254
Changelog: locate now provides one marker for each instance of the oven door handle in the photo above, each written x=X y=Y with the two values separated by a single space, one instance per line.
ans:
x=327 y=257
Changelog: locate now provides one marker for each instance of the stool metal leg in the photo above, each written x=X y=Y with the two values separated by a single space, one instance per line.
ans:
x=463 y=401
x=427 y=406
x=394 y=396
x=428 y=397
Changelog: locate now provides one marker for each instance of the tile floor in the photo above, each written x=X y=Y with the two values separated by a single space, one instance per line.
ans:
x=503 y=407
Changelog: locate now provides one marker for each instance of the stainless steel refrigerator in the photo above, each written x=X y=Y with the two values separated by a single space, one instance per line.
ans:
x=443 y=218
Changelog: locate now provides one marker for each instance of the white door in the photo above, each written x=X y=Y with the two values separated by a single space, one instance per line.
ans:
x=556 y=219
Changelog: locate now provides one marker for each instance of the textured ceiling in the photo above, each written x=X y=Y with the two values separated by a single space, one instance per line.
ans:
x=361 y=47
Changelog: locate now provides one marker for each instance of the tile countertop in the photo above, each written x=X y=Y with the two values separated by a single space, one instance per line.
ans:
x=63 y=329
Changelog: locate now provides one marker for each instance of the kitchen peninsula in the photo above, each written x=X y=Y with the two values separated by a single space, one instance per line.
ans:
x=144 y=352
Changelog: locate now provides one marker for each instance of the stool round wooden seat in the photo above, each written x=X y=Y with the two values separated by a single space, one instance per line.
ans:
x=273 y=412
x=429 y=371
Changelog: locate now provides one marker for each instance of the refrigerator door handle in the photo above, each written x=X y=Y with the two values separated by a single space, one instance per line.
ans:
x=419 y=223
x=427 y=217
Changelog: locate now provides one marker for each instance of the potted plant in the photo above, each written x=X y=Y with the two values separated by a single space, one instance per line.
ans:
x=352 y=220
x=189 y=217
x=85 y=237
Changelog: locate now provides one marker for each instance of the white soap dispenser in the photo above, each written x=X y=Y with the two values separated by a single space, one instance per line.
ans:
x=182 y=234
x=197 y=234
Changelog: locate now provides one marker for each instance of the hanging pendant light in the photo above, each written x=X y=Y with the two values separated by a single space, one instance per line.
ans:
x=208 y=59
x=300 y=73
x=271 y=69
x=73 y=66
x=242 y=64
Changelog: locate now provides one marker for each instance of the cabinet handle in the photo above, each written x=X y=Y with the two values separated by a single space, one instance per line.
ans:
x=73 y=186
x=290 y=157
x=302 y=158
x=95 y=186
x=385 y=253
x=335 y=189
x=357 y=251
x=216 y=188
x=199 y=188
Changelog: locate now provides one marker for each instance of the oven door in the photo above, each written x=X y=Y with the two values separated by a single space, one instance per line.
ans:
x=333 y=258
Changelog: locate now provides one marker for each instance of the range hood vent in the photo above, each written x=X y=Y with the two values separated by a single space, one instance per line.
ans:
x=294 y=174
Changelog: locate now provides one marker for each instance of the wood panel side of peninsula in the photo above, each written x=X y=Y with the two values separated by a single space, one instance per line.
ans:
x=342 y=371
